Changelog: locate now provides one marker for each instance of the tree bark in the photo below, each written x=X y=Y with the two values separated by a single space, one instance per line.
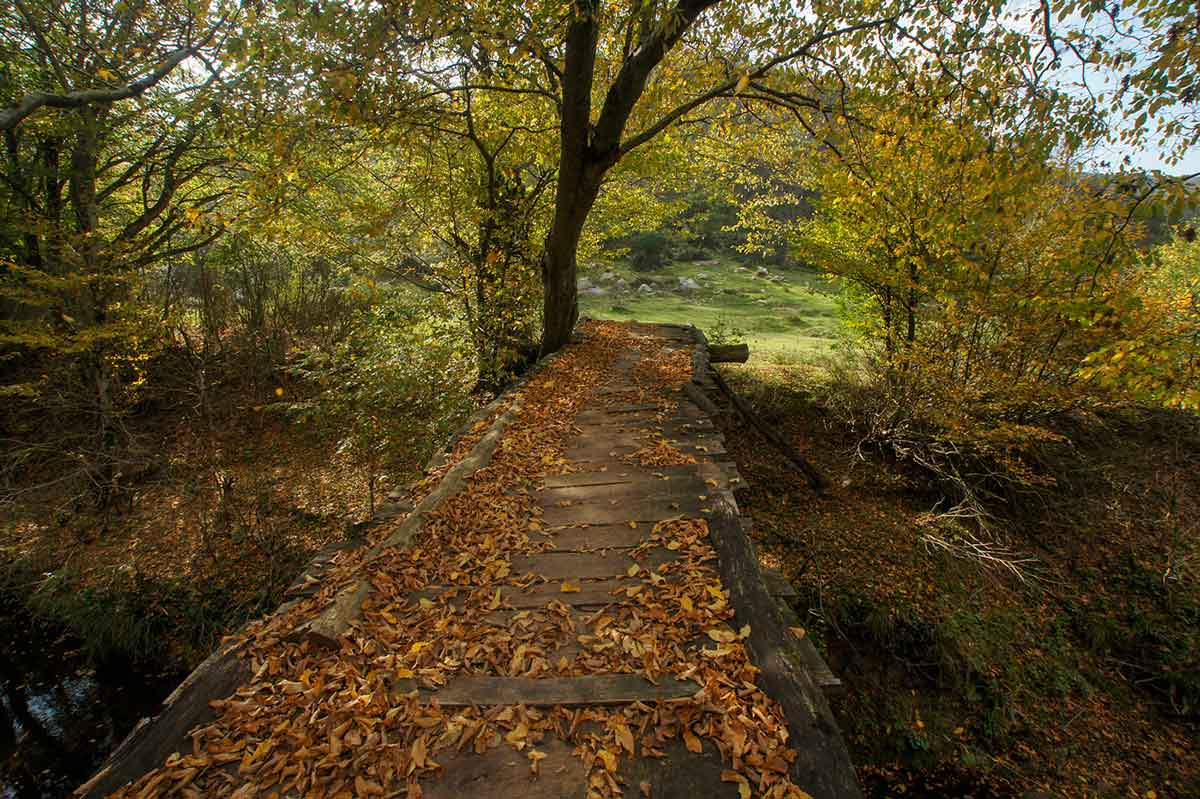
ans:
x=560 y=302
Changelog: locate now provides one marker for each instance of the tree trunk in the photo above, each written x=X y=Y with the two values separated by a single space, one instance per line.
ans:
x=573 y=197
x=590 y=147
x=560 y=300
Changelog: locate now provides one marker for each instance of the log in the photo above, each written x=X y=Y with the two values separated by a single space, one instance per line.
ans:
x=822 y=766
x=728 y=353
x=815 y=479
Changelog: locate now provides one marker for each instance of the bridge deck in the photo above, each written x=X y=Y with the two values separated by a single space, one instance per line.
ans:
x=557 y=623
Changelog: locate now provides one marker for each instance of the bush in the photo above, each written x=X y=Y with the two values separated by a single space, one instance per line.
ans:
x=648 y=251
x=397 y=385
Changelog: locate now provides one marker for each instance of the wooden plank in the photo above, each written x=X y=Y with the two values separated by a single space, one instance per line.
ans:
x=577 y=566
x=604 y=452
x=614 y=439
x=682 y=416
x=597 y=689
x=671 y=409
x=822 y=766
x=646 y=510
x=503 y=773
x=671 y=428
x=645 y=488
x=630 y=472
x=590 y=478
x=590 y=593
x=600 y=536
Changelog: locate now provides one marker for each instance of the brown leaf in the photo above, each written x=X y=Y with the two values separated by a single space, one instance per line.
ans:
x=624 y=737
x=417 y=759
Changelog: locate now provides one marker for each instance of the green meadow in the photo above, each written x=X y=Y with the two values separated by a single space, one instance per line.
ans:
x=789 y=315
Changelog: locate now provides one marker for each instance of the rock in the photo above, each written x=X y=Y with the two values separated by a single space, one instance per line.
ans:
x=583 y=284
x=702 y=275
x=622 y=285
x=761 y=271
x=594 y=291
x=687 y=284
x=609 y=275
x=644 y=289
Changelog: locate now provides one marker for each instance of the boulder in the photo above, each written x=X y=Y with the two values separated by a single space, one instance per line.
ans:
x=583 y=284
x=761 y=271
x=687 y=284
x=621 y=284
x=644 y=289
x=594 y=291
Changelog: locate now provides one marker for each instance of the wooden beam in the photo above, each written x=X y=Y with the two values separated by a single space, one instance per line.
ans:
x=599 y=689
x=728 y=353
x=822 y=766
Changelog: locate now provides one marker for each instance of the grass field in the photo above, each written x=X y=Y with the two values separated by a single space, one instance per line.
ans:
x=791 y=316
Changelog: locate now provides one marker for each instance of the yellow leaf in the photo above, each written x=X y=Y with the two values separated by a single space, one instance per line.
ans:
x=610 y=760
x=624 y=737
x=686 y=603
x=517 y=734
x=570 y=588
x=742 y=83
x=799 y=632
x=417 y=759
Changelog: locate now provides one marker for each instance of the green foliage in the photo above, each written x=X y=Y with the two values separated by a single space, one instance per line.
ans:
x=647 y=251
x=396 y=386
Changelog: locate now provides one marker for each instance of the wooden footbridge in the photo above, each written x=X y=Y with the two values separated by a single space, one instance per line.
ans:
x=568 y=605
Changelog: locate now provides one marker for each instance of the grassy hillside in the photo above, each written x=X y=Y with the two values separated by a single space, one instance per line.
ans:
x=789 y=314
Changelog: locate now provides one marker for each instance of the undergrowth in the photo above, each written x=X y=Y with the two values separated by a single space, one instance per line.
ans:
x=1078 y=676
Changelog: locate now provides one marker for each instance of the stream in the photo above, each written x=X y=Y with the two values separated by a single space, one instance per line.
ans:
x=59 y=718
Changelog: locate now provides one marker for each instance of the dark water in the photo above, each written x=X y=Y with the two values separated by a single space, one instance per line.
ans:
x=58 y=717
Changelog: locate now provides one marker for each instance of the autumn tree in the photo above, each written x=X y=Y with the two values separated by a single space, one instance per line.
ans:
x=108 y=148
x=613 y=78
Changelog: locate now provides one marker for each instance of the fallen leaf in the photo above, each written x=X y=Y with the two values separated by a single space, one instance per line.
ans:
x=742 y=783
x=624 y=737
